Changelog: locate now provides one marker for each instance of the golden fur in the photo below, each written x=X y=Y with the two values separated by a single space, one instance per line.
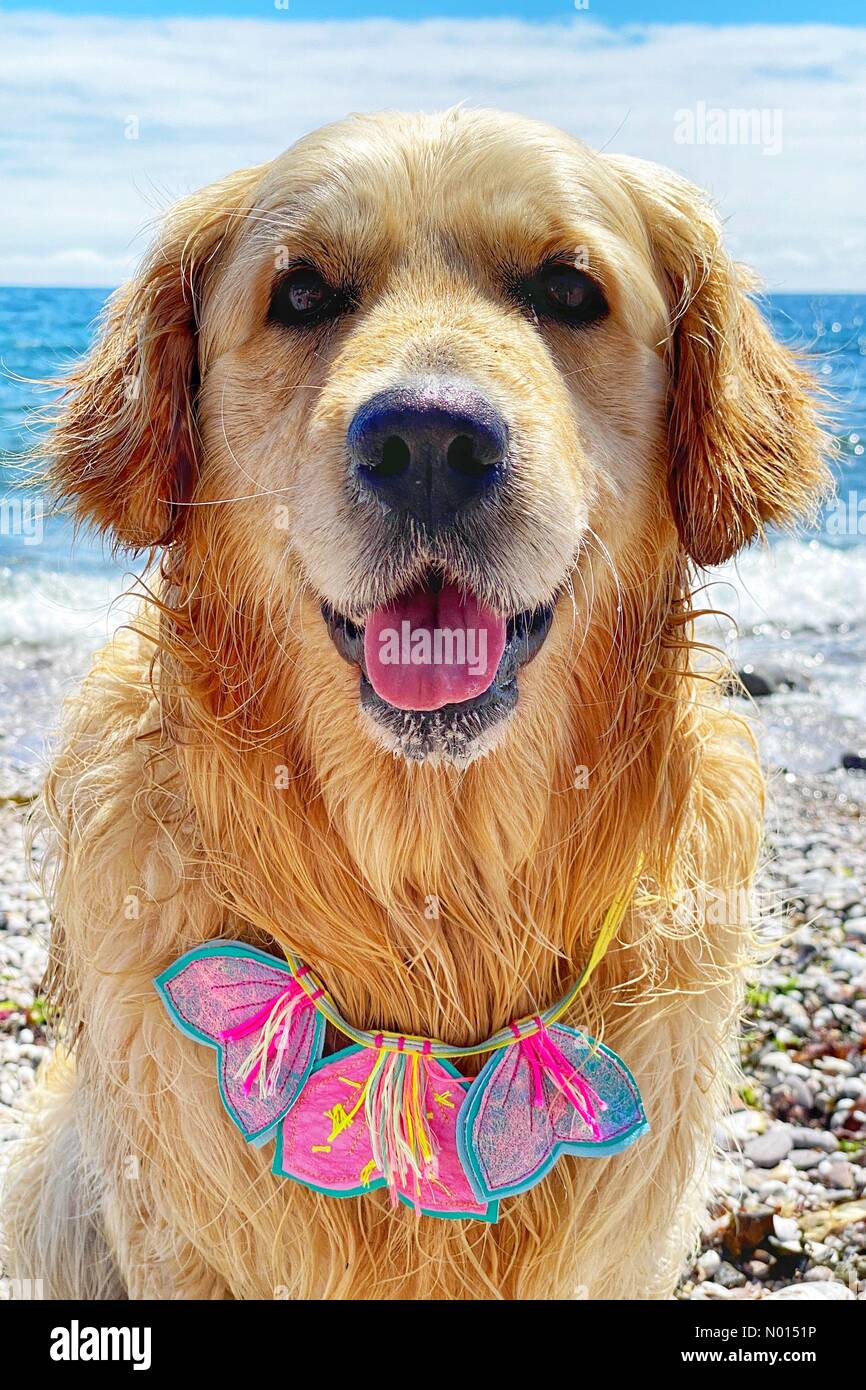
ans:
x=216 y=775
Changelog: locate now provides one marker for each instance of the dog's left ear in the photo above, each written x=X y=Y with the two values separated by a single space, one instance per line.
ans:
x=747 y=448
x=123 y=450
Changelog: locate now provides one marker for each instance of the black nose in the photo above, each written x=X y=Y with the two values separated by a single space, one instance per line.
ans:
x=428 y=453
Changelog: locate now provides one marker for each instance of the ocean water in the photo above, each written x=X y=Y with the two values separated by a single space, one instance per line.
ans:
x=53 y=586
x=799 y=605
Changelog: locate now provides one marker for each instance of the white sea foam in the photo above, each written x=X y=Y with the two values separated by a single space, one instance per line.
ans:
x=800 y=610
x=48 y=608
x=800 y=586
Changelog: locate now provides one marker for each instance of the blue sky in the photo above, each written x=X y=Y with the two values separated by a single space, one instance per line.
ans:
x=106 y=119
x=611 y=12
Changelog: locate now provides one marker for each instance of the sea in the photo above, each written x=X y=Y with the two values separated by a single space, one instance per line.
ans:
x=796 y=609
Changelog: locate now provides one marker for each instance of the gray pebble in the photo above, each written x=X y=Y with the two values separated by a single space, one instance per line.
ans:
x=838 y=1172
x=835 y=1066
x=781 y=1062
x=729 y=1277
x=766 y=1150
x=786 y=1228
x=851 y=962
x=794 y=1014
x=794 y=1091
x=805 y=1158
x=820 y=1291
x=774 y=1188
x=835 y=992
x=805 y=1138
x=711 y=1290
x=709 y=1262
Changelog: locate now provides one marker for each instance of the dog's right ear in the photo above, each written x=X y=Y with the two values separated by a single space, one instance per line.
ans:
x=747 y=443
x=123 y=449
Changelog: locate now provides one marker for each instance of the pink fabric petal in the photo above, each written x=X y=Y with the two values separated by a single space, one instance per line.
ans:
x=216 y=991
x=222 y=994
x=323 y=1144
x=517 y=1119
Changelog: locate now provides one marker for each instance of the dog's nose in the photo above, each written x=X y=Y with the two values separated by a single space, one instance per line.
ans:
x=428 y=454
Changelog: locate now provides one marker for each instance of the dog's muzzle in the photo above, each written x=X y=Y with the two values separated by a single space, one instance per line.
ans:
x=438 y=671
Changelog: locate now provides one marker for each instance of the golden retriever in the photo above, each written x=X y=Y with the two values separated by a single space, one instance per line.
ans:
x=463 y=355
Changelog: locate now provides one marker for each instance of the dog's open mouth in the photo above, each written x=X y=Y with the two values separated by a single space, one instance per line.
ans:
x=439 y=670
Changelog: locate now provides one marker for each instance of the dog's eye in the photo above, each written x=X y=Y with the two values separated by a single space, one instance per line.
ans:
x=304 y=297
x=560 y=291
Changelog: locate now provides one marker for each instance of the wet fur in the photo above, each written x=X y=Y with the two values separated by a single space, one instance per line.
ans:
x=216 y=778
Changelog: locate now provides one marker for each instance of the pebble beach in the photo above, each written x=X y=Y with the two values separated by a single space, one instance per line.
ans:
x=788 y=1214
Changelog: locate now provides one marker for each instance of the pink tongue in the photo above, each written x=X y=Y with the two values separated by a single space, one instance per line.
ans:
x=432 y=649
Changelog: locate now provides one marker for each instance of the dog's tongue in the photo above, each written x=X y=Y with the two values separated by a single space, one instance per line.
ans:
x=431 y=649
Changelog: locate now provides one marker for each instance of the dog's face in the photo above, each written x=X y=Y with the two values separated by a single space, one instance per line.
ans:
x=436 y=358
x=421 y=385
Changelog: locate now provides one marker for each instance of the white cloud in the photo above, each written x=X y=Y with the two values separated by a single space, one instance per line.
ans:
x=212 y=95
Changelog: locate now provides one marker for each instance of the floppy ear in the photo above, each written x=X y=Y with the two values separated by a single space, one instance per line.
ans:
x=123 y=448
x=745 y=439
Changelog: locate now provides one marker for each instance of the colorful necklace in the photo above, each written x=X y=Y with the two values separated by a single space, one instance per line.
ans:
x=392 y=1110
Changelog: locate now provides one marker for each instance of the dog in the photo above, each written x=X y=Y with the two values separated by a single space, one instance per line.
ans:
x=417 y=364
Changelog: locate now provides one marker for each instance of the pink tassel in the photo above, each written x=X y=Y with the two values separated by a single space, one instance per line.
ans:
x=255 y=1021
x=545 y=1058
x=273 y=1021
